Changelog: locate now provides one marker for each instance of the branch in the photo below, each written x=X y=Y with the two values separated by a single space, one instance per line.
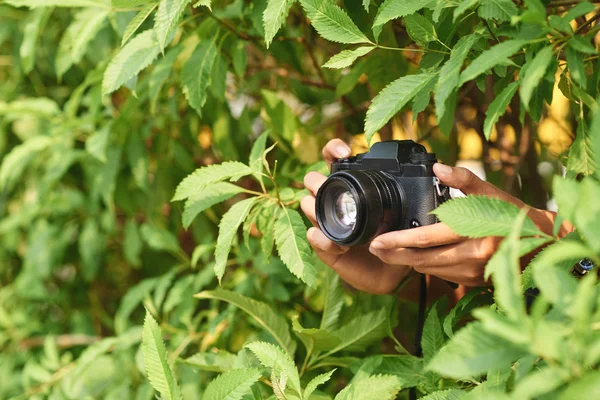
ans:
x=62 y=341
x=588 y=22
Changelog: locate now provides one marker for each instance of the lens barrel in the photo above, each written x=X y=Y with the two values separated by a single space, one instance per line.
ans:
x=353 y=207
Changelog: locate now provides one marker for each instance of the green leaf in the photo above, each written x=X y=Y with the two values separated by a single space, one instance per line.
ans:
x=159 y=239
x=391 y=100
x=316 y=382
x=166 y=19
x=582 y=45
x=582 y=158
x=345 y=58
x=56 y=3
x=463 y=7
x=137 y=21
x=392 y=9
x=586 y=387
x=433 y=337
x=334 y=300
x=381 y=387
x=257 y=154
x=472 y=352
x=566 y=193
x=448 y=394
x=576 y=67
x=278 y=361
x=498 y=107
x=211 y=174
x=220 y=361
x=587 y=214
x=534 y=73
x=315 y=339
x=332 y=22
x=74 y=43
x=97 y=143
x=196 y=76
x=132 y=244
x=420 y=29
x=274 y=17
x=474 y=298
x=232 y=385
x=34 y=23
x=40 y=107
x=91 y=247
x=448 y=79
x=498 y=54
x=137 y=157
x=159 y=75
x=207 y=198
x=499 y=10
x=361 y=331
x=264 y=315
x=480 y=216
x=292 y=246
x=155 y=360
x=228 y=228
x=205 y=3
x=136 y=55
x=15 y=162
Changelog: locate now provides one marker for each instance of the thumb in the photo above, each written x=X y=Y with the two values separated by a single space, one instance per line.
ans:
x=469 y=183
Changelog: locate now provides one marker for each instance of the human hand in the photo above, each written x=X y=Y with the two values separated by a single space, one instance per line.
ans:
x=437 y=250
x=355 y=265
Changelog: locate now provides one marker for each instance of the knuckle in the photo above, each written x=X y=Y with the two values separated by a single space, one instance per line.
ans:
x=417 y=258
x=423 y=239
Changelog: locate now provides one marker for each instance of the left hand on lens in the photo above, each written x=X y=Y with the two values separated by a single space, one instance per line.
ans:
x=437 y=250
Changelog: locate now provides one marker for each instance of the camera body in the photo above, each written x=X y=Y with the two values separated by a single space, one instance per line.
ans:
x=392 y=187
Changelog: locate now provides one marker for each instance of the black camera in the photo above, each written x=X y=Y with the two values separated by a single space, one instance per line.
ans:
x=392 y=187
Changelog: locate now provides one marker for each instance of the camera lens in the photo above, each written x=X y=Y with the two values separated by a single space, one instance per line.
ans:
x=355 y=206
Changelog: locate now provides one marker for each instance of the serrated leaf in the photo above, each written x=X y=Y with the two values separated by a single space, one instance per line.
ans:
x=448 y=394
x=205 y=3
x=419 y=28
x=316 y=382
x=55 y=3
x=33 y=24
x=137 y=21
x=166 y=19
x=381 y=387
x=392 y=9
x=155 y=360
x=449 y=74
x=495 y=55
x=361 y=331
x=472 y=352
x=345 y=58
x=534 y=73
x=332 y=22
x=232 y=385
x=228 y=228
x=315 y=339
x=263 y=314
x=220 y=361
x=498 y=107
x=391 y=100
x=433 y=337
x=278 y=361
x=334 y=301
x=292 y=246
x=422 y=99
x=499 y=10
x=463 y=7
x=196 y=76
x=480 y=216
x=159 y=239
x=576 y=67
x=582 y=158
x=128 y=3
x=211 y=174
x=136 y=55
x=274 y=17
x=207 y=198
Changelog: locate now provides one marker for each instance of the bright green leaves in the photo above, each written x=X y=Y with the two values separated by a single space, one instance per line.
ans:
x=332 y=22
x=274 y=17
x=167 y=16
x=384 y=387
x=56 y=3
x=495 y=55
x=392 y=99
x=14 y=164
x=136 y=55
x=316 y=382
x=345 y=58
x=361 y=331
x=137 y=21
x=196 y=76
x=205 y=176
x=263 y=314
x=392 y=9
x=155 y=360
x=34 y=24
x=293 y=249
x=479 y=216
x=228 y=228
x=91 y=246
x=498 y=107
x=207 y=198
x=420 y=29
x=499 y=10
x=533 y=74
x=433 y=338
x=232 y=385
x=280 y=363
x=582 y=155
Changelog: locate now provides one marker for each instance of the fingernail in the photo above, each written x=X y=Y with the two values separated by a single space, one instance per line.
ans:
x=442 y=169
x=377 y=245
x=342 y=151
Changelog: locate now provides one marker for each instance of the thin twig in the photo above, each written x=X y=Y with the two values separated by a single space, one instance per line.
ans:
x=588 y=22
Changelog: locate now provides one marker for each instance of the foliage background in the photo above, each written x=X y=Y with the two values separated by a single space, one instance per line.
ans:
x=90 y=236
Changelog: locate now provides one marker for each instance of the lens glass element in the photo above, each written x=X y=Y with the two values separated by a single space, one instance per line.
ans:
x=345 y=209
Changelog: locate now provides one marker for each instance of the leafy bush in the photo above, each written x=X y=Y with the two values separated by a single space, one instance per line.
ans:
x=138 y=137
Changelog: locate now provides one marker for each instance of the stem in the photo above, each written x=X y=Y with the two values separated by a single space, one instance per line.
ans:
x=589 y=21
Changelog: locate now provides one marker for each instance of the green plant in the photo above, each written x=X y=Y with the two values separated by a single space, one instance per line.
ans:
x=102 y=124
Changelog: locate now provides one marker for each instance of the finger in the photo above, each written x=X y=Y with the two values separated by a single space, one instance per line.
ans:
x=421 y=237
x=319 y=241
x=470 y=251
x=313 y=181
x=467 y=274
x=307 y=204
x=335 y=149
x=469 y=183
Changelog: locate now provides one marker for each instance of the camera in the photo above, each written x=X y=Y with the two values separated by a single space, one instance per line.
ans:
x=392 y=187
